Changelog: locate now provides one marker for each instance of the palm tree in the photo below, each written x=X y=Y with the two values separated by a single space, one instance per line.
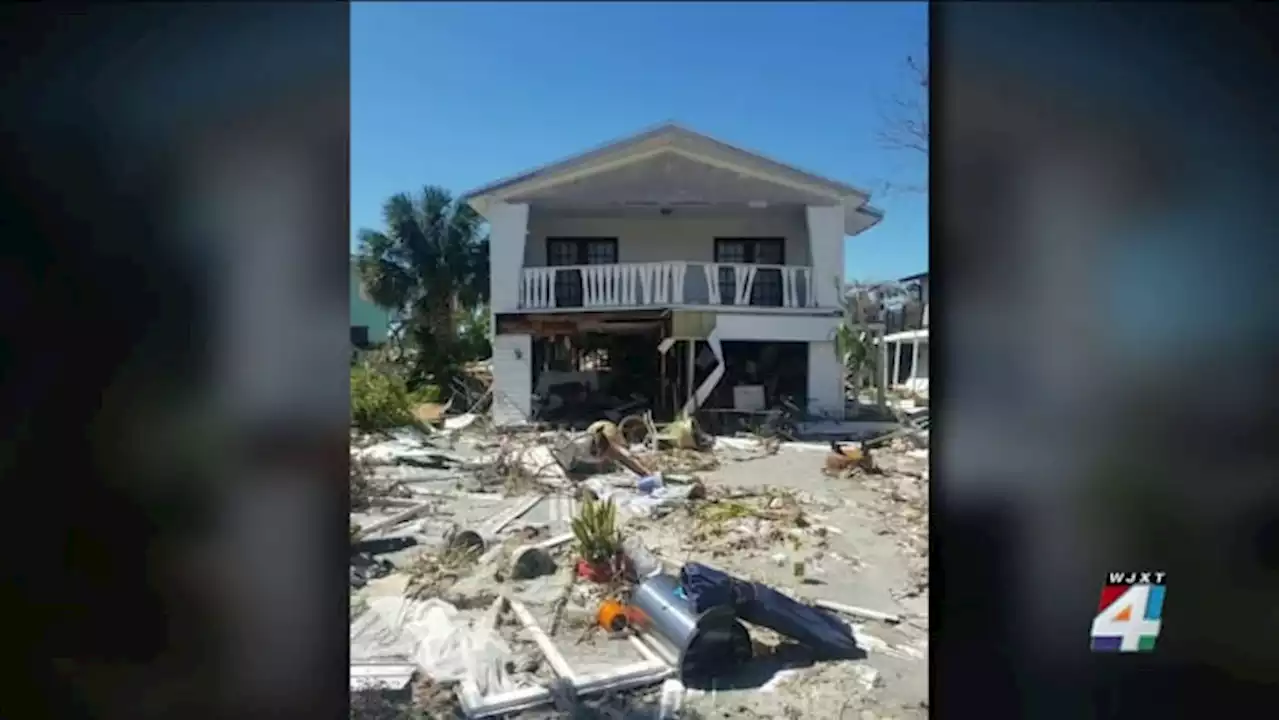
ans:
x=430 y=261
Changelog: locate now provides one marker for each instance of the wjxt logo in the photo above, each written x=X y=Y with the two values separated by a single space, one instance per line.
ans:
x=1151 y=577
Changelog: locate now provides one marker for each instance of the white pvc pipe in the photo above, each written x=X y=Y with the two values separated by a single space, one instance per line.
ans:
x=857 y=611
x=625 y=678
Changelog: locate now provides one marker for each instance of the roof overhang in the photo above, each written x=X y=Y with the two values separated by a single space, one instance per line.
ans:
x=672 y=139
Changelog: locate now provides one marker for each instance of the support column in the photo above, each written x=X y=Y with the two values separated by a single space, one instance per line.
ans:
x=826 y=253
x=915 y=361
x=508 y=227
x=512 y=379
x=690 y=371
x=897 y=362
x=882 y=371
x=825 y=391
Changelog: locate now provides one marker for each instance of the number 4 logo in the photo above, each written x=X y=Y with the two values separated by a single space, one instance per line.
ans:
x=1128 y=618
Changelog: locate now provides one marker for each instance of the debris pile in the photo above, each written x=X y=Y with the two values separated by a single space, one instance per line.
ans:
x=503 y=568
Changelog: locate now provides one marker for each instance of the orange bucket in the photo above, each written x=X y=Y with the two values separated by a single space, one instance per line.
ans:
x=613 y=616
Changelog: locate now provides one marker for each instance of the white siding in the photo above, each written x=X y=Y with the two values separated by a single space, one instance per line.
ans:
x=512 y=379
x=776 y=328
x=653 y=238
x=507 y=230
x=826 y=236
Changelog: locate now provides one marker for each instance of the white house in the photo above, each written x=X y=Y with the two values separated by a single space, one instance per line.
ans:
x=907 y=340
x=672 y=266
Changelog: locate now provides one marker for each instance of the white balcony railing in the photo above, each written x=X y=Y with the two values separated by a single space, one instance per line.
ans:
x=666 y=283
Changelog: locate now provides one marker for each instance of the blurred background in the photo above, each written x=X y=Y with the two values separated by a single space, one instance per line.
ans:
x=1103 y=232
x=174 y=390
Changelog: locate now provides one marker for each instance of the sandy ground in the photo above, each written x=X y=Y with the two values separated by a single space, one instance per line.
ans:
x=860 y=543
x=862 y=565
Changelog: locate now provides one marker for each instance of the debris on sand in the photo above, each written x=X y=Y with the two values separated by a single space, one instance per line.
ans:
x=897 y=469
x=518 y=494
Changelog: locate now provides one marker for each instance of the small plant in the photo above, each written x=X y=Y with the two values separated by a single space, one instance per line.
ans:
x=596 y=530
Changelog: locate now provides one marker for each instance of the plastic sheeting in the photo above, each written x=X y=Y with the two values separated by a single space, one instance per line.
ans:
x=445 y=644
x=827 y=635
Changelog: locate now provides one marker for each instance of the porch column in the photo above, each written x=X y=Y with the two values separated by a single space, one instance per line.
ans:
x=826 y=253
x=915 y=361
x=508 y=226
x=882 y=370
x=897 y=361
x=691 y=370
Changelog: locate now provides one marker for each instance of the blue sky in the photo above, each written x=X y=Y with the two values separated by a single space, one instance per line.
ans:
x=462 y=94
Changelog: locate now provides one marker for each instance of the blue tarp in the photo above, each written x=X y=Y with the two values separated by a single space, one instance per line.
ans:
x=828 y=636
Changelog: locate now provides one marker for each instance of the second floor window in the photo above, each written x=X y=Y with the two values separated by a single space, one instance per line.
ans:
x=577 y=251
x=767 y=289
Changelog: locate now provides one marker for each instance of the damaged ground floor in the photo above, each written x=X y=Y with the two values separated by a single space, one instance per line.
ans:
x=578 y=367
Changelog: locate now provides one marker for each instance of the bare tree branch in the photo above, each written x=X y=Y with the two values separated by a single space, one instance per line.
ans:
x=904 y=122
x=905 y=125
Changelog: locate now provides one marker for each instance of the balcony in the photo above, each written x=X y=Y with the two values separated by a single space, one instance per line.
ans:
x=909 y=317
x=640 y=285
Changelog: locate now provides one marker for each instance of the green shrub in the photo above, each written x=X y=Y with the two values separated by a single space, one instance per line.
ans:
x=379 y=401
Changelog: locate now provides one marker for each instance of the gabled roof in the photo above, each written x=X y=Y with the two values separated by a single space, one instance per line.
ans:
x=671 y=137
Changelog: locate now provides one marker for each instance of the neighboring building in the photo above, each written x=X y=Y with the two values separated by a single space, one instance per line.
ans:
x=673 y=266
x=369 y=323
x=907 y=337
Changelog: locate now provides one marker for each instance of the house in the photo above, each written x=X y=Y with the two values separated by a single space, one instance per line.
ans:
x=672 y=268
x=907 y=337
x=369 y=323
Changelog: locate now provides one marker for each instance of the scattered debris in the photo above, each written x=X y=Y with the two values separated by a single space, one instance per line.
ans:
x=466 y=517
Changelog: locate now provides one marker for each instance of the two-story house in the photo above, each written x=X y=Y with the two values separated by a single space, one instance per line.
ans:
x=907 y=337
x=669 y=266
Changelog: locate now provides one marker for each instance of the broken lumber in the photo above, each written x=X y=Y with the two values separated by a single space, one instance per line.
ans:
x=400 y=517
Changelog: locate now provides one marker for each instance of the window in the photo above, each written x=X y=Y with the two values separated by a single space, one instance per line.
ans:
x=767 y=289
x=577 y=251
x=360 y=336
